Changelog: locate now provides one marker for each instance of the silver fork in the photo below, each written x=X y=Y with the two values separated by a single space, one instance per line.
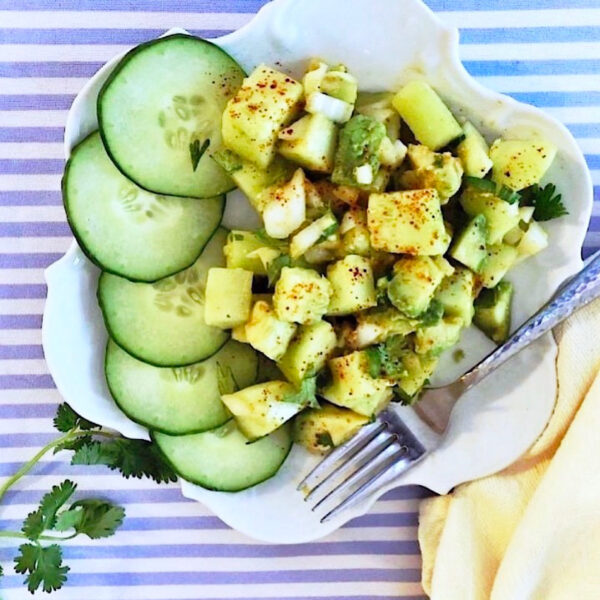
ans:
x=351 y=471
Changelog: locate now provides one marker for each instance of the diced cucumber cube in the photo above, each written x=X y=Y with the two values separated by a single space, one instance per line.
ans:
x=242 y=251
x=534 y=240
x=340 y=85
x=493 y=311
x=473 y=152
x=500 y=258
x=469 y=247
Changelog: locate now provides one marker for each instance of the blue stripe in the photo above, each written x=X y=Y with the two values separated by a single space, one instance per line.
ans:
x=542 y=99
x=93 y=36
x=505 y=5
x=583 y=66
x=584 y=130
x=506 y=35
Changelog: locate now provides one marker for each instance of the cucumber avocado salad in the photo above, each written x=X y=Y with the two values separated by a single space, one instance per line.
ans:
x=389 y=227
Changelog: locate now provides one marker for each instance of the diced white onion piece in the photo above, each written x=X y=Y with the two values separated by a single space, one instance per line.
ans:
x=526 y=213
x=285 y=210
x=310 y=235
x=391 y=154
x=368 y=334
x=333 y=108
x=364 y=174
x=534 y=240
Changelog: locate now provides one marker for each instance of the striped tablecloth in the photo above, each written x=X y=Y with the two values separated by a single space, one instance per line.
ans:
x=546 y=52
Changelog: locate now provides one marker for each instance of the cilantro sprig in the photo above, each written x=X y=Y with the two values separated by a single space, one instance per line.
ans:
x=546 y=202
x=57 y=518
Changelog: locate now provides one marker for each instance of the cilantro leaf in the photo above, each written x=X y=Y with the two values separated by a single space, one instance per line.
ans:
x=96 y=518
x=306 y=394
x=66 y=419
x=323 y=438
x=1 y=571
x=73 y=444
x=386 y=360
x=267 y=240
x=374 y=356
x=547 y=203
x=45 y=516
x=275 y=266
x=197 y=151
x=67 y=519
x=43 y=566
x=33 y=525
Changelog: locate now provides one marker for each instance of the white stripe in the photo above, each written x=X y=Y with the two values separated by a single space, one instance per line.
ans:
x=595 y=176
x=537 y=51
x=589 y=145
x=521 y=18
x=66 y=19
x=30 y=396
x=575 y=114
x=17 y=337
x=29 y=182
x=22 y=306
x=36 y=366
x=17 y=214
x=33 y=118
x=229 y=592
x=21 y=276
x=32 y=150
x=41 y=85
x=547 y=83
x=35 y=244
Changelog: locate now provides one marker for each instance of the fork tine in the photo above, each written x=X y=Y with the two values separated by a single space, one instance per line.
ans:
x=366 y=487
x=361 y=439
x=370 y=463
x=364 y=455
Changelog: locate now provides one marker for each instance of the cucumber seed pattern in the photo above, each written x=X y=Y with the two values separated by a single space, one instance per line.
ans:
x=182 y=293
x=190 y=374
x=143 y=205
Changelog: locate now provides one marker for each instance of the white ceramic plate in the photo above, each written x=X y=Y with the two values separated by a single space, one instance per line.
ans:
x=384 y=43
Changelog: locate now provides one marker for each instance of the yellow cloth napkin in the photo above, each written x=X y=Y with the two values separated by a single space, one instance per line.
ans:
x=532 y=531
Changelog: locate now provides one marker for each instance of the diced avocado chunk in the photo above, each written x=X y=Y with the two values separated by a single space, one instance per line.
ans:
x=312 y=234
x=442 y=172
x=359 y=142
x=500 y=216
x=284 y=207
x=533 y=240
x=417 y=370
x=261 y=408
x=301 y=295
x=252 y=180
x=352 y=285
x=425 y=113
x=434 y=339
x=378 y=324
x=500 y=258
x=407 y=222
x=228 y=297
x=456 y=294
x=266 y=333
x=241 y=251
x=340 y=85
x=353 y=387
x=319 y=430
x=308 y=352
x=521 y=163
x=493 y=311
x=473 y=152
x=267 y=101
x=414 y=283
x=310 y=142
x=469 y=246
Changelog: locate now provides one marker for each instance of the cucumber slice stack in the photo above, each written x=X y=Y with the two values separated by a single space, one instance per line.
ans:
x=145 y=201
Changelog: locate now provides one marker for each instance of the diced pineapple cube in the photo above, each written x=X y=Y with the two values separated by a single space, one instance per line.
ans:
x=308 y=351
x=267 y=101
x=353 y=387
x=473 y=152
x=408 y=222
x=266 y=333
x=521 y=163
x=260 y=409
x=228 y=297
x=425 y=113
x=285 y=207
x=310 y=142
x=352 y=285
x=301 y=295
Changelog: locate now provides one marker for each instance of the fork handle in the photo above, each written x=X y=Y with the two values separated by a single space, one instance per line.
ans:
x=578 y=292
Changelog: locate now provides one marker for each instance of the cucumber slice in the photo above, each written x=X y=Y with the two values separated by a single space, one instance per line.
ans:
x=162 y=323
x=222 y=459
x=126 y=230
x=177 y=400
x=160 y=106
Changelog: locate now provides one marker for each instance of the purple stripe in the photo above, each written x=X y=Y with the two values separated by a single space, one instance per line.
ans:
x=49 y=69
x=30 y=198
x=24 y=382
x=25 y=352
x=154 y=493
x=31 y=134
x=17 y=411
x=35 y=229
x=10 y=166
x=22 y=290
x=236 y=577
x=36 y=101
x=28 y=261
x=92 y=36
x=224 y=6
x=20 y=321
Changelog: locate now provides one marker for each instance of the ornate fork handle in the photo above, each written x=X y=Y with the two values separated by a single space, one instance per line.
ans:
x=578 y=292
